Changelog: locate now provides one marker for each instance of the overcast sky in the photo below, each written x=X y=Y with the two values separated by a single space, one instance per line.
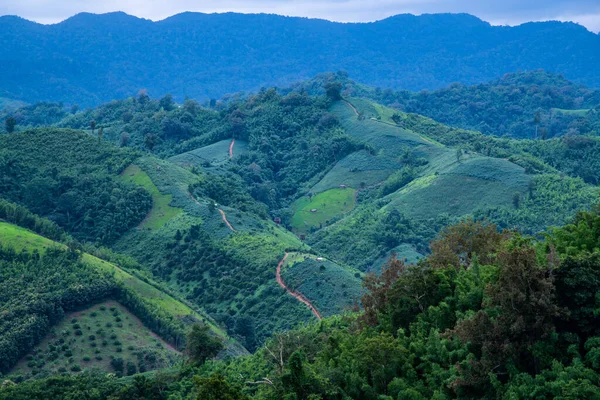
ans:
x=497 y=12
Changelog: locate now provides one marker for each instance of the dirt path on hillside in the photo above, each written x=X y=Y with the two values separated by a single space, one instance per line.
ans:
x=223 y=216
x=387 y=123
x=351 y=106
x=225 y=219
x=231 y=148
x=297 y=295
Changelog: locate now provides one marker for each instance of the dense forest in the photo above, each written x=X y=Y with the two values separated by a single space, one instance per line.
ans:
x=196 y=55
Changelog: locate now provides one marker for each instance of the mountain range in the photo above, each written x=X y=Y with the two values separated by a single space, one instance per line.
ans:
x=88 y=59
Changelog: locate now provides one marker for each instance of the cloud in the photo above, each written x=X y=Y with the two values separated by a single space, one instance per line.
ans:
x=511 y=12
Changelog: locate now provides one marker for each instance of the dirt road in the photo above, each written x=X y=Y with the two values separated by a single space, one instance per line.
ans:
x=297 y=295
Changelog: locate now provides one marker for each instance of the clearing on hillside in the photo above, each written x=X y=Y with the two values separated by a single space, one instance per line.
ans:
x=104 y=336
x=213 y=155
x=161 y=211
x=314 y=212
x=330 y=287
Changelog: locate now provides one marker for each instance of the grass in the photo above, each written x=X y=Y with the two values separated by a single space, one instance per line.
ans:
x=92 y=338
x=161 y=211
x=328 y=205
x=330 y=287
x=359 y=169
x=215 y=154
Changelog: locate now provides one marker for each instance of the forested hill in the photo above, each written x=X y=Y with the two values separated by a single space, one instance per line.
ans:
x=89 y=59
x=531 y=105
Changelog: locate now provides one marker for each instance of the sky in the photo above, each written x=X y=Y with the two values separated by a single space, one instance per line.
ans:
x=497 y=12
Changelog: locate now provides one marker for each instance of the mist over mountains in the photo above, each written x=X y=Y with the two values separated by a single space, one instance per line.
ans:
x=89 y=59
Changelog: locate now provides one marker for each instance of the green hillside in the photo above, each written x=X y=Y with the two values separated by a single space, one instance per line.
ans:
x=158 y=310
x=332 y=289
x=105 y=336
x=429 y=184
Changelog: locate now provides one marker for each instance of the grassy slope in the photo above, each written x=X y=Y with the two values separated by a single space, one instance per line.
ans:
x=329 y=204
x=447 y=184
x=330 y=287
x=161 y=211
x=22 y=239
x=216 y=154
x=108 y=331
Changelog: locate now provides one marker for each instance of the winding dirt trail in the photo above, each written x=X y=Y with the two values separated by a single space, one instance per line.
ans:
x=386 y=123
x=297 y=295
x=351 y=106
x=231 y=148
x=223 y=216
x=225 y=219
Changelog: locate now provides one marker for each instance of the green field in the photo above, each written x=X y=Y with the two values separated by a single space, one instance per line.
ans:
x=92 y=338
x=329 y=204
x=330 y=287
x=213 y=155
x=161 y=211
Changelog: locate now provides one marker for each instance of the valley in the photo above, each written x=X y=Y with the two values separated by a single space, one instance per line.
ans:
x=317 y=243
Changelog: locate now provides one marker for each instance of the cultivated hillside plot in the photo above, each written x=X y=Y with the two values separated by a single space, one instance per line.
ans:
x=97 y=337
x=22 y=239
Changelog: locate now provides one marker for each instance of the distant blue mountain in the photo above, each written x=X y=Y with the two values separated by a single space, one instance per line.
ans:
x=88 y=59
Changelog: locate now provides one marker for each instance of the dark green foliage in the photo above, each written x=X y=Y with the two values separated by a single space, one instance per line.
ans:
x=522 y=105
x=229 y=191
x=185 y=54
x=35 y=292
x=9 y=124
x=22 y=217
x=201 y=345
x=72 y=182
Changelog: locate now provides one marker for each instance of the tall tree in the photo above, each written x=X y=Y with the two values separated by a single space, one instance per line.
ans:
x=10 y=124
x=201 y=345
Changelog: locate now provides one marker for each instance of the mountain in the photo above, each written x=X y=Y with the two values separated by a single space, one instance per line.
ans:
x=89 y=59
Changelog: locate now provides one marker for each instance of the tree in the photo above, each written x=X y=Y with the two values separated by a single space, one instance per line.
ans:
x=143 y=97
x=125 y=138
x=377 y=288
x=459 y=155
x=520 y=312
x=201 y=345
x=74 y=108
x=100 y=133
x=167 y=102
x=10 y=124
x=516 y=200
x=150 y=141
x=93 y=126
x=458 y=244
x=333 y=90
x=215 y=387
x=536 y=120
